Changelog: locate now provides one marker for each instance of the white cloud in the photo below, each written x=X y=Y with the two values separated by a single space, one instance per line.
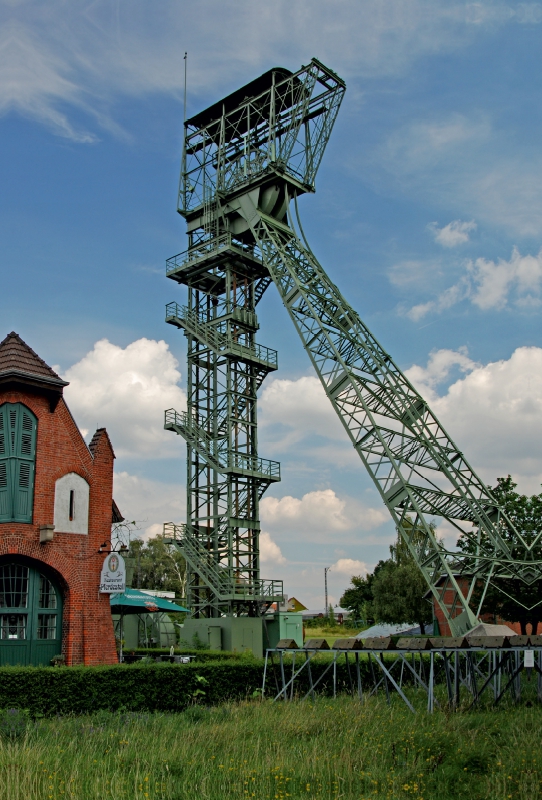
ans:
x=494 y=414
x=465 y=163
x=439 y=365
x=422 y=145
x=491 y=285
x=85 y=54
x=300 y=404
x=270 y=552
x=319 y=511
x=452 y=234
x=350 y=566
x=127 y=390
x=149 y=502
x=494 y=283
x=445 y=300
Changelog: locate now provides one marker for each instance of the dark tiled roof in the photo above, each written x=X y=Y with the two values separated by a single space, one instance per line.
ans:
x=17 y=357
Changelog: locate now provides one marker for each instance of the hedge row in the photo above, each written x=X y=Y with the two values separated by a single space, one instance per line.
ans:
x=147 y=687
x=201 y=655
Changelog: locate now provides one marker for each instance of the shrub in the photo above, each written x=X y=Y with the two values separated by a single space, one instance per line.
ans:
x=150 y=687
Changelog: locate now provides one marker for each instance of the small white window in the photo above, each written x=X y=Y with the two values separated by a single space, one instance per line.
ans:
x=71 y=504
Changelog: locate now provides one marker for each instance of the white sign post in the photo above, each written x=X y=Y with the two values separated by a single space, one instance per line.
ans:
x=528 y=660
x=113 y=575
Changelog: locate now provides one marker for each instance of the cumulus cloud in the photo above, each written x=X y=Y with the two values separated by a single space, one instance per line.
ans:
x=452 y=234
x=322 y=511
x=270 y=552
x=149 y=502
x=350 y=566
x=438 y=367
x=127 y=390
x=491 y=285
x=493 y=413
x=82 y=55
x=301 y=404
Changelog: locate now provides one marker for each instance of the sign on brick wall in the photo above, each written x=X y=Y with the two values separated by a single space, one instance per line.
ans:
x=113 y=575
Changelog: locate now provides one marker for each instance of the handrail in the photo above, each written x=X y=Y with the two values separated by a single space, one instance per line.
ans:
x=233 y=458
x=222 y=580
x=205 y=249
x=209 y=333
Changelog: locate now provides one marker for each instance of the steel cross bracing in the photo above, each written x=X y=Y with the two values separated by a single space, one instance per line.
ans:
x=226 y=478
x=244 y=160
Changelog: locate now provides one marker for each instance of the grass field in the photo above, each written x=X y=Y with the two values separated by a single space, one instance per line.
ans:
x=330 y=633
x=327 y=749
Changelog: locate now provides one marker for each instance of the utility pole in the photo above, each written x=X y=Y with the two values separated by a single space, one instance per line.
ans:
x=326 y=570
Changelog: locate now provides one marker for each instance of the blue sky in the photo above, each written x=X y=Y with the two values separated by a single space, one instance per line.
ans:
x=428 y=215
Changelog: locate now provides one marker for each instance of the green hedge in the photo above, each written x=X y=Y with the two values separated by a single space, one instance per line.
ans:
x=145 y=687
x=201 y=655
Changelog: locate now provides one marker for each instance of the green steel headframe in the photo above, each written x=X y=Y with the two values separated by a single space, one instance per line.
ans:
x=246 y=159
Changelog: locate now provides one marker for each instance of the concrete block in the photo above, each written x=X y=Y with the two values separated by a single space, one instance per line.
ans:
x=520 y=641
x=287 y=644
x=488 y=641
x=445 y=642
x=414 y=643
x=379 y=643
x=316 y=644
x=348 y=644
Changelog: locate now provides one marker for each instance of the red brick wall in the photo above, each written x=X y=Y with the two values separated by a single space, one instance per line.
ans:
x=87 y=625
x=444 y=628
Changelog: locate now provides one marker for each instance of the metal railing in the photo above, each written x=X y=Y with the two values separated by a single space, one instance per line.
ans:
x=208 y=333
x=223 y=581
x=208 y=248
x=225 y=458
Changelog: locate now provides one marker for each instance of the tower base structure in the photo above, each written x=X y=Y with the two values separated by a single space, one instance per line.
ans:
x=243 y=634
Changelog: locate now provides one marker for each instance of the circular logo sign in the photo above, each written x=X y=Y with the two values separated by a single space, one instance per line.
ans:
x=113 y=563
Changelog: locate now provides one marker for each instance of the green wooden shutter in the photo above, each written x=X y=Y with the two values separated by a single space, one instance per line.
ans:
x=23 y=490
x=18 y=428
x=5 y=488
x=25 y=453
x=5 y=491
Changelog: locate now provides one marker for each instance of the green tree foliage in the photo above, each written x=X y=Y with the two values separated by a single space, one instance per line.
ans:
x=158 y=566
x=398 y=595
x=358 y=598
x=393 y=593
x=511 y=598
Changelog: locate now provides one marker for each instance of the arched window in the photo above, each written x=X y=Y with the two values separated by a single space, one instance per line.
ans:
x=18 y=427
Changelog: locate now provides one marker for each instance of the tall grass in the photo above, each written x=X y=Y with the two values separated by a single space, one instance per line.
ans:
x=323 y=749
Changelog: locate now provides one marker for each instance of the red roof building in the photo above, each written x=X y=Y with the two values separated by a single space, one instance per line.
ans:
x=56 y=507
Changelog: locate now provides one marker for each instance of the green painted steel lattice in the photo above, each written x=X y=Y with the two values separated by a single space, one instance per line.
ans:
x=245 y=160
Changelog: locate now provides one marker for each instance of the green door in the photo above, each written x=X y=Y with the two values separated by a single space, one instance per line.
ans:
x=30 y=616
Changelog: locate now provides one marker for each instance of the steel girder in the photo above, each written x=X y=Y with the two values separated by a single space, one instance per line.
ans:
x=244 y=160
x=225 y=476
x=420 y=473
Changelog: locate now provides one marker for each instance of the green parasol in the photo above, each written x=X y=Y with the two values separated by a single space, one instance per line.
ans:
x=131 y=601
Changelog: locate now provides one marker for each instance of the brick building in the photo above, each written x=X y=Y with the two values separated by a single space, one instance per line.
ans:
x=56 y=509
x=441 y=627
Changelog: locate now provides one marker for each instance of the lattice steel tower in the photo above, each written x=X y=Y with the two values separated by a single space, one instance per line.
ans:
x=245 y=159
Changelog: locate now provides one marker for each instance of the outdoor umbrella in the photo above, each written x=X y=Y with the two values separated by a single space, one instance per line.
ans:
x=131 y=601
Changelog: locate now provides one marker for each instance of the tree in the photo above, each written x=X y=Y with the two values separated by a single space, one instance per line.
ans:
x=398 y=595
x=358 y=598
x=158 y=566
x=394 y=592
x=511 y=598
